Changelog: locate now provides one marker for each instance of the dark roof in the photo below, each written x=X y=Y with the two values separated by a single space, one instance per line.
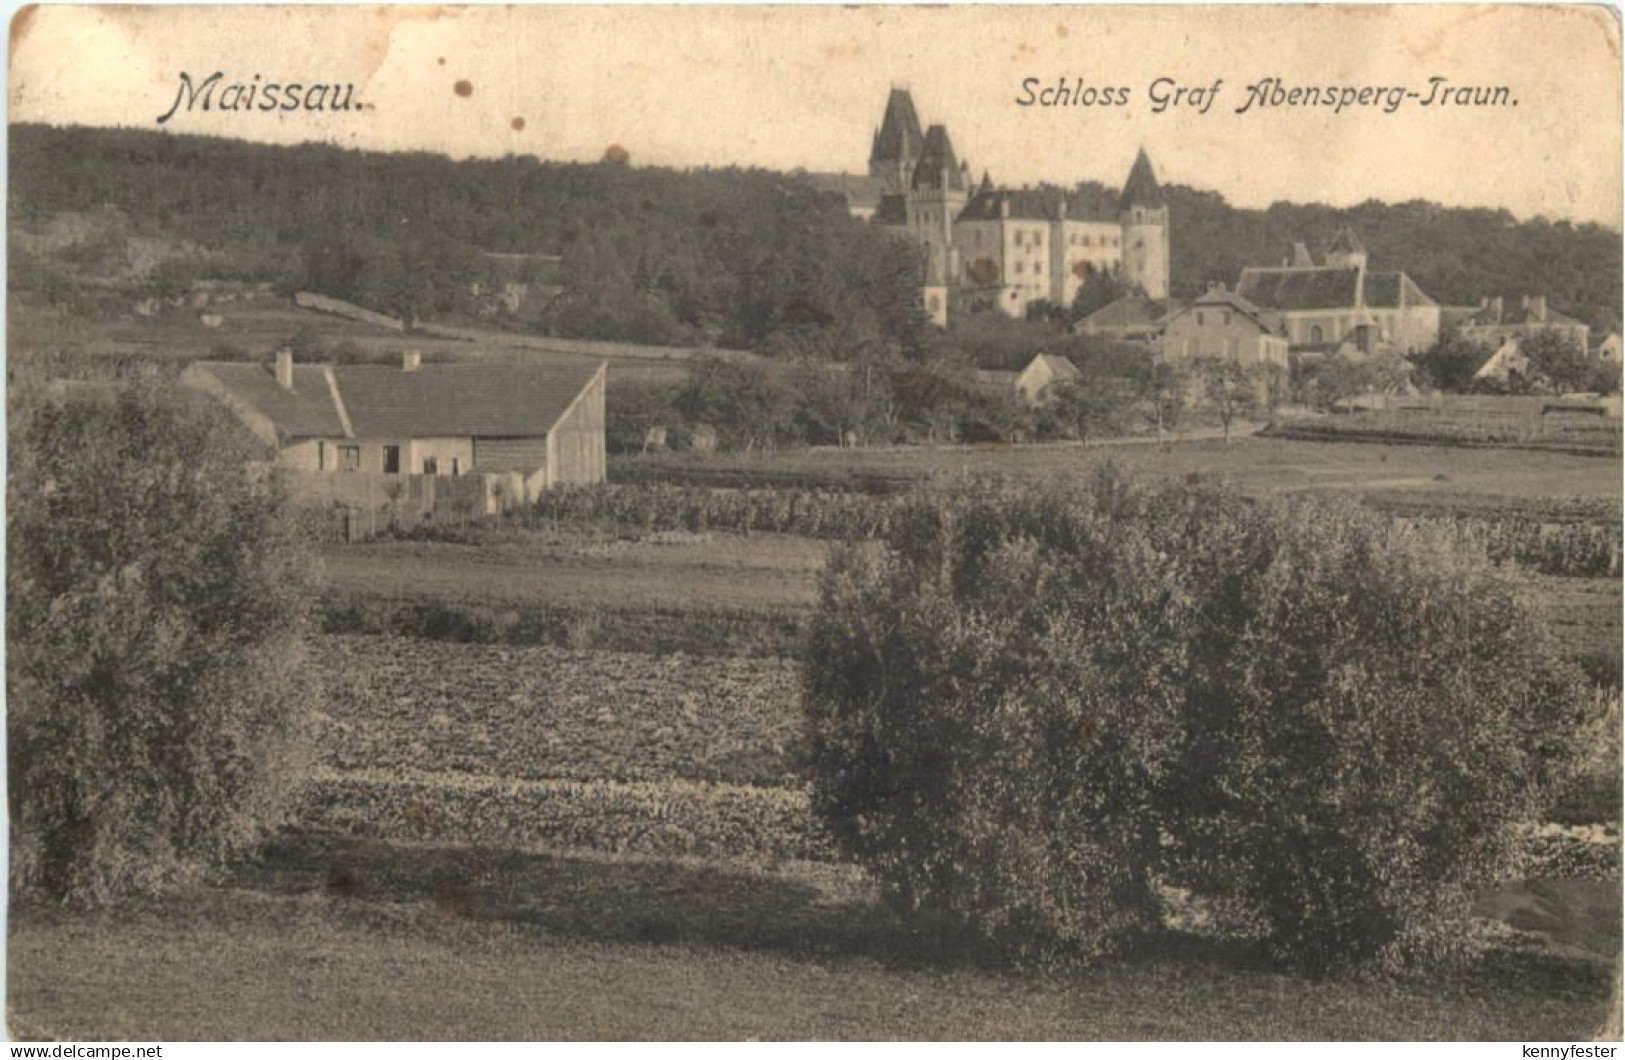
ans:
x=1219 y=296
x=891 y=210
x=1033 y=204
x=435 y=400
x=899 y=137
x=1299 y=288
x=1132 y=311
x=938 y=168
x=1382 y=290
x=1141 y=188
x=306 y=411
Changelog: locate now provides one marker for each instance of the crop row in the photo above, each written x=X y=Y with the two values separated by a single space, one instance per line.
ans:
x=555 y=713
x=1569 y=550
x=664 y=819
x=1585 y=437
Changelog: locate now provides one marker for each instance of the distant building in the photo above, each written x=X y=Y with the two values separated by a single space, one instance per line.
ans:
x=1508 y=360
x=1132 y=318
x=1609 y=348
x=1042 y=372
x=1340 y=305
x=1223 y=324
x=1494 y=323
x=999 y=247
x=544 y=424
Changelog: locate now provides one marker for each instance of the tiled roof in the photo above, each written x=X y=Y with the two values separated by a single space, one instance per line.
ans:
x=306 y=411
x=1299 y=288
x=435 y=400
x=1034 y=204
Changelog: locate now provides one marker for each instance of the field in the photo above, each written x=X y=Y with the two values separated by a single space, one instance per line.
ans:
x=568 y=805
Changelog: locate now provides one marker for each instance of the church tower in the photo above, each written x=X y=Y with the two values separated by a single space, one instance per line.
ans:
x=1144 y=217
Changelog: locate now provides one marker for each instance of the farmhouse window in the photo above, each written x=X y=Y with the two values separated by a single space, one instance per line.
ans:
x=321 y=456
x=350 y=457
x=455 y=470
x=431 y=466
x=392 y=460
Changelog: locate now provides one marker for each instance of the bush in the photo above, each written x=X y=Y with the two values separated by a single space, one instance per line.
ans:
x=1029 y=710
x=155 y=606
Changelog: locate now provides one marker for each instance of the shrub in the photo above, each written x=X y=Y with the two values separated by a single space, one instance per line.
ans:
x=154 y=611
x=1027 y=710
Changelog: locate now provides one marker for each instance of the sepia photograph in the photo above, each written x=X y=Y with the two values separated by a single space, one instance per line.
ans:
x=812 y=523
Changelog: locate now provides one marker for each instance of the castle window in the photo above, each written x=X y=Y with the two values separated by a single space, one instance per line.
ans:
x=1316 y=335
x=1038 y=268
x=1018 y=238
x=1226 y=316
x=1018 y=268
x=1199 y=320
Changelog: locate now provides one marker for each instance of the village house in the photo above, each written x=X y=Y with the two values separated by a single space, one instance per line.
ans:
x=1340 y=305
x=526 y=427
x=1132 y=318
x=1494 y=323
x=1041 y=373
x=1223 y=324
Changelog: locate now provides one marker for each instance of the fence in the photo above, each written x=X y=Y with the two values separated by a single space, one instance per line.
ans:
x=364 y=502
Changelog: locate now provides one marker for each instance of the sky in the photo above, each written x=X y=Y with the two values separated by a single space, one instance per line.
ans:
x=804 y=87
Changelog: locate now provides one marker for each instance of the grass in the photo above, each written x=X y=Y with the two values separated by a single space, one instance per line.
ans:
x=331 y=938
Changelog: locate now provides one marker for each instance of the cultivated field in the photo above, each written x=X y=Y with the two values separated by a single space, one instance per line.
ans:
x=569 y=804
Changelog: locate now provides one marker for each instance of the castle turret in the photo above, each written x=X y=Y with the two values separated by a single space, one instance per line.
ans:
x=1144 y=217
x=898 y=143
x=937 y=193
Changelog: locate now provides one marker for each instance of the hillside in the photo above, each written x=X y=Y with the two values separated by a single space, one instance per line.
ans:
x=736 y=257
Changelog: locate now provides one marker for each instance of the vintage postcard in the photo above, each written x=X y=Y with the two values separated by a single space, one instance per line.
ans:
x=866 y=522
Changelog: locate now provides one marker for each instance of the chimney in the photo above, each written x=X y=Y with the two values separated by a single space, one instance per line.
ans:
x=1536 y=305
x=1004 y=207
x=284 y=368
x=1215 y=285
x=411 y=361
x=1061 y=207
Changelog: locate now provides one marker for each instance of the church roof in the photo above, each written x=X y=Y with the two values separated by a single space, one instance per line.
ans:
x=938 y=168
x=1141 y=188
x=899 y=138
x=1300 y=288
x=1220 y=296
x=1382 y=290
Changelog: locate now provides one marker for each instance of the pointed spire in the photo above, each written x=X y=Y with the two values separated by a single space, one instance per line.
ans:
x=1141 y=188
x=1346 y=242
x=987 y=183
x=938 y=167
x=899 y=138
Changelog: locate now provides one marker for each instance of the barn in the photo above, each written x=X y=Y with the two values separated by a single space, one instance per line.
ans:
x=535 y=426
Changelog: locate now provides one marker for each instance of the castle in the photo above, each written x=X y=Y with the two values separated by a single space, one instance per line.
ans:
x=1008 y=248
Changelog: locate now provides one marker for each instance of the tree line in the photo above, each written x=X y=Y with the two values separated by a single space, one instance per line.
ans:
x=734 y=257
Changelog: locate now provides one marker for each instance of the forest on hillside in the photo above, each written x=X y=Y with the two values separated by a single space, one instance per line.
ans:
x=731 y=257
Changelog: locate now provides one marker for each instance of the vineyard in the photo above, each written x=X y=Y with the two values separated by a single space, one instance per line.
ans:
x=1568 y=433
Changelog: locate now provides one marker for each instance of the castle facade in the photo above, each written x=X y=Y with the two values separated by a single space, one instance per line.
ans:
x=1008 y=248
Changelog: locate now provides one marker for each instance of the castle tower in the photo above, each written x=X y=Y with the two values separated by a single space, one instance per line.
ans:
x=897 y=143
x=1144 y=217
x=937 y=194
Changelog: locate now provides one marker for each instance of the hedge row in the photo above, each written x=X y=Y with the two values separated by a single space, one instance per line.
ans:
x=1597 y=441
x=667 y=819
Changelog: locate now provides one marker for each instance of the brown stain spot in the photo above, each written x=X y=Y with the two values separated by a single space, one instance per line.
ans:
x=1062 y=32
x=20 y=23
x=440 y=61
x=463 y=88
x=419 y=815
x=340 y=883
x=517 y=125
x=616 y=155
x=452 y=900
